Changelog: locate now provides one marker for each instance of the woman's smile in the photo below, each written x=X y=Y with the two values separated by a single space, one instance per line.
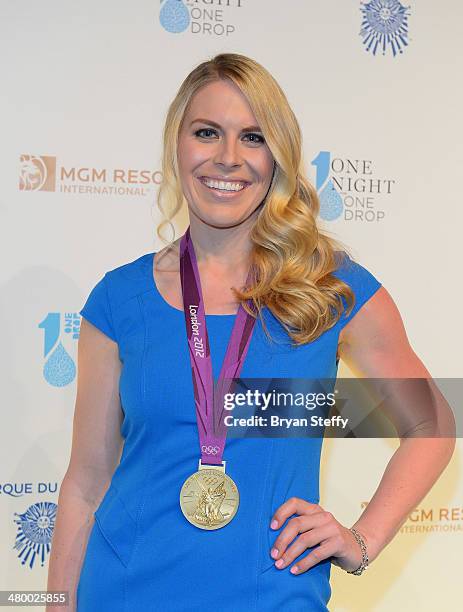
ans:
x=223 y=188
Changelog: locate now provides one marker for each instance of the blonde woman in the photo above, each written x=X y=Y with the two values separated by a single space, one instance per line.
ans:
x=185 y=519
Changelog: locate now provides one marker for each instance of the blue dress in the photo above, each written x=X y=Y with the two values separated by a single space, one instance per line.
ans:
x=142 y=553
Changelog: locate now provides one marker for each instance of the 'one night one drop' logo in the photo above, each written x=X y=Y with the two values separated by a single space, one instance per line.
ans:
x=384 y=24
x=59 y=369
x=348 y=189
x=200 y=17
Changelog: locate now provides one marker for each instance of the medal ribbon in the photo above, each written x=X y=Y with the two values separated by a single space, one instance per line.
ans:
x=209 y=407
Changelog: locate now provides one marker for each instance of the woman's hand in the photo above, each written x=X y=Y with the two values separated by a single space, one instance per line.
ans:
x=317 y=528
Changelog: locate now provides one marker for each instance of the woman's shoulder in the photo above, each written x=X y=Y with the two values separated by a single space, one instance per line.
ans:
x=363 y=282
x=352 y=272
x=130 y=279
x=116 y=288
x=131 y=270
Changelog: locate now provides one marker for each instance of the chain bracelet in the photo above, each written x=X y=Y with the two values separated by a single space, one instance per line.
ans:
x=364 y=565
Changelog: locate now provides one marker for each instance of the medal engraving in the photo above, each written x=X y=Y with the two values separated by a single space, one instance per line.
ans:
x=209 y=498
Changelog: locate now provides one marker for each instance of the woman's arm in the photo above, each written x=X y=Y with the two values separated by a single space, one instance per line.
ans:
x=374 y=344
x=96 y=448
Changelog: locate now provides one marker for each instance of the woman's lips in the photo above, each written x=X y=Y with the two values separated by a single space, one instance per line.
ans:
x=220 y=192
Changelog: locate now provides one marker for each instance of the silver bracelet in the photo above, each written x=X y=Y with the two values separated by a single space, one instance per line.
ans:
x=364 y=565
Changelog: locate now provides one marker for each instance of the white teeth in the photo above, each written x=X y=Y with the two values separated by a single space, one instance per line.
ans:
x=224 y=185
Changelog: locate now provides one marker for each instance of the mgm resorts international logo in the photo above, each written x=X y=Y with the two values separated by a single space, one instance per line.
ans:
x=348 y=189
x=43 y=173
x=384 y=26
x=433 y=519
x=207 y=17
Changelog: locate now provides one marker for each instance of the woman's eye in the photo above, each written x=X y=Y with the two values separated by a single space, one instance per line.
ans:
x=204 y=133
x=261 y=138
x=198 y=132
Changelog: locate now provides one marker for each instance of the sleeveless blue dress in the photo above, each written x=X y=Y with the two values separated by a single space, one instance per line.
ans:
x=142 y=553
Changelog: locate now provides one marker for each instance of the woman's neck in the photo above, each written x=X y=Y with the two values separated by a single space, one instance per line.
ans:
x=221 y=248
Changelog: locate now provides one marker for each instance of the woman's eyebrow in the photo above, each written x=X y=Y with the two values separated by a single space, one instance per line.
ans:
x=251 y=128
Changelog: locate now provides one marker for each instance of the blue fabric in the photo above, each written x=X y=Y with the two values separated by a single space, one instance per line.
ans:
x=150 y=556
x=361 y=281
x=97 y=309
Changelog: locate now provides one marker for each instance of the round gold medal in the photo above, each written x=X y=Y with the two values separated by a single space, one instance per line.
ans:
x=209 y=498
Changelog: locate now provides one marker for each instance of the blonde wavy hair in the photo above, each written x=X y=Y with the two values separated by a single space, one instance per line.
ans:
x=292 y=260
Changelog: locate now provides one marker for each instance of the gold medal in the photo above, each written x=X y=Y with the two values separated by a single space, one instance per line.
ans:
x=209 y=498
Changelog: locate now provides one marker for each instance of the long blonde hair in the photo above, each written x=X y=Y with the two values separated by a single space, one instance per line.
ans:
x=292 y=260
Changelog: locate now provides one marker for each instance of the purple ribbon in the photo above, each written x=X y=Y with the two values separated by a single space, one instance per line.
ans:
x=209 y=398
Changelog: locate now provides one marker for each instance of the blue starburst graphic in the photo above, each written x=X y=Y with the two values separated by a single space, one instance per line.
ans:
x=384 y=24
x=35 y=530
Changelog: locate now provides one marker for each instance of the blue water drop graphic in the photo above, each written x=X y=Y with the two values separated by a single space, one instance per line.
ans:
x=331 y=205
x=174 y=16
x=60 y=369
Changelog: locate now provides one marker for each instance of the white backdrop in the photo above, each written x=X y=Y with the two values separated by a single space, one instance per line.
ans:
x=85 y=91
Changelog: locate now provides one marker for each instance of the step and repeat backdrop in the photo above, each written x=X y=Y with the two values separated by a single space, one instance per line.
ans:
x=86 y=86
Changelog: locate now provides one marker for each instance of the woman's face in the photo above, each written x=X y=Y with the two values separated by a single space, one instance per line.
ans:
x=225 y=164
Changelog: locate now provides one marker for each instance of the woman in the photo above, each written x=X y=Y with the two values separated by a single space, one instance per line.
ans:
x=171 y=531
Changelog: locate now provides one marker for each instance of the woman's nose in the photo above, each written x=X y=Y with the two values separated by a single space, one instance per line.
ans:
x=227 y=152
